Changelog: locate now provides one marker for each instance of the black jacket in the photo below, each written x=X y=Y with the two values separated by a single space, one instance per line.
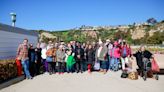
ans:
x=79 y=51
x=90 y=56
x=140 y=55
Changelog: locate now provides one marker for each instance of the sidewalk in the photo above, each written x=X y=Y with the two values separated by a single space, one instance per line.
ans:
x=95 y=82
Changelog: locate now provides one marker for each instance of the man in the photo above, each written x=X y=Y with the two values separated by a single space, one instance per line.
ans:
x=79 y=58
x=22 y=54
x=32 y=60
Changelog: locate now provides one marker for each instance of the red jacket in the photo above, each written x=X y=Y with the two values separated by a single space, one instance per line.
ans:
x=128 y=50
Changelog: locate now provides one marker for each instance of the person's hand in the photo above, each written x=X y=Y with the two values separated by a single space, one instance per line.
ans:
x=132 y=57
x=78 y=56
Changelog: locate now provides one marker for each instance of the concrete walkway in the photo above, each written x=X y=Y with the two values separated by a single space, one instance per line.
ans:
x=95 y=82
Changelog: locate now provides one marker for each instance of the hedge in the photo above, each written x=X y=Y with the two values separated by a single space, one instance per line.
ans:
x=8 y=70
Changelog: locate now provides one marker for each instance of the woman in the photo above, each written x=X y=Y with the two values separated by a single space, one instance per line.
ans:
x=49 y=59
x=70 y=62
x=142 y=55
x=60 y=58
x=125 y=54
x=43 y=55
x=101 y=56
x=89 y=58
x=115 y=57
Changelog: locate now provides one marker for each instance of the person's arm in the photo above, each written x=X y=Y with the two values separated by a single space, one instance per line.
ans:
x=150 y=55
x=36 y=57
x=105 y=51
x=18 y=50
x=63 y=56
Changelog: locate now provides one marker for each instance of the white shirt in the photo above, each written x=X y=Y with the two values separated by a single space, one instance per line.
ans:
x=99 y=50
x=44 y=53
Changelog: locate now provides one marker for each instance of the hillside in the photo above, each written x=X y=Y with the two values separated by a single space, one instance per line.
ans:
x=136 y=34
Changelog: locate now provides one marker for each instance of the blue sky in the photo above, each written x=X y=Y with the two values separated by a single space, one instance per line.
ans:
x=67 y=14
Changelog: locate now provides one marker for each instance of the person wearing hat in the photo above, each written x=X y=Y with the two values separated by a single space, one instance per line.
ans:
x=101 y=56
x=109 y=46
x=60 y=59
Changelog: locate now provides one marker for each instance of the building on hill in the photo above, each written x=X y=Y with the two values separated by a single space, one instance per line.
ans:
x=11 y=37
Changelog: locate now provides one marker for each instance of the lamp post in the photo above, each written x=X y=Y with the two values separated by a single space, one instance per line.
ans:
x=13 y=18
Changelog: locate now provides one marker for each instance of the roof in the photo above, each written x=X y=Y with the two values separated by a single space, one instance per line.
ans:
x=8 y=28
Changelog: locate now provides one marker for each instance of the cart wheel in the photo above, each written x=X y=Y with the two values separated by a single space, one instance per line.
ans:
x=145 y=76
x=156 y=77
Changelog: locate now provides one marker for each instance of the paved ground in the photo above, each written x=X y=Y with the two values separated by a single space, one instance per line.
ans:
x=95 y=82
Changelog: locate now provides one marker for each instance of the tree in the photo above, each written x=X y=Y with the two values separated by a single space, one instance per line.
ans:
x=151 y=21
x=157 y=38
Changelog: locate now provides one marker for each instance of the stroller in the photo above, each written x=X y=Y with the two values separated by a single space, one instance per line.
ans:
x=146 y=68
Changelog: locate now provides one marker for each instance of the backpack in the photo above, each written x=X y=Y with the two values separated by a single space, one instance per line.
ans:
x=124 y=52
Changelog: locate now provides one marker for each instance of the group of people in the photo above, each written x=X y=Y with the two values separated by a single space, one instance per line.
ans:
x=78 y=57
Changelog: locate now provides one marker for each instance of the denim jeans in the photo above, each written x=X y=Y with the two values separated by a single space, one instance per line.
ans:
x=103 y=64
x=109 y=64
x=25 y=65
x=70 y=69
x=114 y=63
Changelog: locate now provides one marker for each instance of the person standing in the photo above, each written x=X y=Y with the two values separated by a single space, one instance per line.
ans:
x=49 y=59
x=22 y=54
x=43 y=55
x=125 y=54
x=101 y=56
x=38 y=58
x=70 y=61
x=32 y=60
x=79 y=57
x=90 y=58
x=142 y=56
x=115 y=57
x=60 y=59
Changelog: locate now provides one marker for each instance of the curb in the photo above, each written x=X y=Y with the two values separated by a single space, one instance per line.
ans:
x=11 y=82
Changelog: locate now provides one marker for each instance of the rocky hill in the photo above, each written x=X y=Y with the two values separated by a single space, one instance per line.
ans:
x=135 y=33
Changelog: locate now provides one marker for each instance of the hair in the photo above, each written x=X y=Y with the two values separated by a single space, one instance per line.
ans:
x=26 y=39
x=142 y=46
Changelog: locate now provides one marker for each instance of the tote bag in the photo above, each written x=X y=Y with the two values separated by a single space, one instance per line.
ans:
x=97 y=66
x=49 y=59
x=154 y=66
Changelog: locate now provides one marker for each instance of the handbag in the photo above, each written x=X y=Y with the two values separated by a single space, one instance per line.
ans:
x=154 y=66
x=49 y=59
x=97 y=66
x=124 y=74
x=133 y=75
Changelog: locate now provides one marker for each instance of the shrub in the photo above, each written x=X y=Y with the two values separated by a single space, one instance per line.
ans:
x=8 y=70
